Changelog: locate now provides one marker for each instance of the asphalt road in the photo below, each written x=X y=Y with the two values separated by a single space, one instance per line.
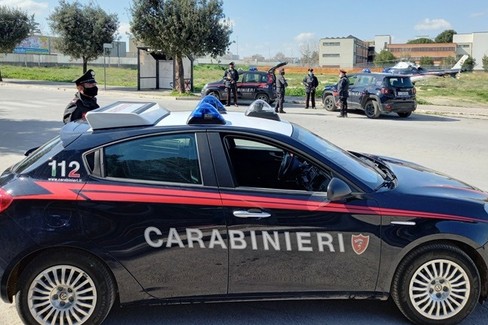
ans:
x=456 y=146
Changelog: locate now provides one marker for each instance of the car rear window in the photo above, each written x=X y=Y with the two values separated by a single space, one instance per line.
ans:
x=39 y=156
x=398 y=82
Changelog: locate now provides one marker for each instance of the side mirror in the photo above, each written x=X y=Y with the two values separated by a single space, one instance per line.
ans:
x=338 y=190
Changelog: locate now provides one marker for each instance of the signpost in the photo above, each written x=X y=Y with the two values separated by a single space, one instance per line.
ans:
x=106 y=49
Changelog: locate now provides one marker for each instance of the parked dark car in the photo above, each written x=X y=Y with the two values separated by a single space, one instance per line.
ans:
x=375 y=93
x=252 y=85
x=140 y=205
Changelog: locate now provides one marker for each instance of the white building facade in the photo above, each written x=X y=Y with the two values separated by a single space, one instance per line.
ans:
x=344 y=52
x=474 y=45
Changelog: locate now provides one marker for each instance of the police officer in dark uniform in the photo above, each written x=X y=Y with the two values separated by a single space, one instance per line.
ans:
x=343 y=90
x=231 y=76
x=310 y=82
x=84 y=100
x=281 y=84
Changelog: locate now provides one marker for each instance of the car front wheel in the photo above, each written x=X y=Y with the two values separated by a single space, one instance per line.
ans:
x=371 y=109
x=68 y=288
x=437 y=284
x=329 y=103
x=263 y=97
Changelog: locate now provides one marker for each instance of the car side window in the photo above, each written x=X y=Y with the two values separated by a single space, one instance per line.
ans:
x=162 y=158
x=260 y=164
x=250 y=77
x=352 y=80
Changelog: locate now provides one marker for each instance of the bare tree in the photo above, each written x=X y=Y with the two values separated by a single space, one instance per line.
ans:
x=309 y=51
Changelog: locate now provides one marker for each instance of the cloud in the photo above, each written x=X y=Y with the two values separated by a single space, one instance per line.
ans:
x=305 y=37
x=31 y=7
x=124 y=29
x=433 y=24
x=478 y=14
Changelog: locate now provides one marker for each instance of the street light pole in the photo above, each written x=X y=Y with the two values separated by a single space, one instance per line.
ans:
x=106 y=49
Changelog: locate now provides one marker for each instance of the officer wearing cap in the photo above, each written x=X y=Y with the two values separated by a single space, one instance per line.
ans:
x=310 y=82
x=231 y=76
x=281 y=85
x=85 y=99
x=343 y=90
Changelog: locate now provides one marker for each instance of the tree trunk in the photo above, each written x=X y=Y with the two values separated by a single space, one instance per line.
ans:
x=1 y=75
x=179 y=74
x=85 y=65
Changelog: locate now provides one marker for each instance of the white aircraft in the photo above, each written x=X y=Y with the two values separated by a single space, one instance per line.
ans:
x=416 y=72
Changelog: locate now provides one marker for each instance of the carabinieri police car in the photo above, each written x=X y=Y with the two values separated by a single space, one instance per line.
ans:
x=138 y=204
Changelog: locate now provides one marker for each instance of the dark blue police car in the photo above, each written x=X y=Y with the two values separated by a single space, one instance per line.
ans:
x=375 y=94
x=252 y=85
x=138 y=204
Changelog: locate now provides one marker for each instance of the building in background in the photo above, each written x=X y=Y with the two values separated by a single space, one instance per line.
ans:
x=345 y=52
x=474 y=45
x=381 y=43
x=414 y=52
x=39 y=50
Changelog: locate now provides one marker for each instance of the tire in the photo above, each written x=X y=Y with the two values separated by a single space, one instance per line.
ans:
x=372 y=109
x=214 y=94
x=404 y=114
x=62 y=287
x=329 y=103
x=264 y=97
x=436 y=284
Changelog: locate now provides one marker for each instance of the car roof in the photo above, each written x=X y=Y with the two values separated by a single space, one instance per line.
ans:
x=233 y=119
x=382 y=74
x=149 y=114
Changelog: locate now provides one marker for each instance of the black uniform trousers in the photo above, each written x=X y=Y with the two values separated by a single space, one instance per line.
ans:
x=310 y=96
x=343 y=105
x=280 y=100
x=232 y=89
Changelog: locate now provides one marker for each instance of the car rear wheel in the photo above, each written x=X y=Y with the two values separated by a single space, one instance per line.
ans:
x=329 y=103
x=437 y=284
x=264 y=97
x=372 y=109
x=404 y=114
x=65 y=288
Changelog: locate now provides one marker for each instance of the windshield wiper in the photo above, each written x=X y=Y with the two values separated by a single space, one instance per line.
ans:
x=379 y=165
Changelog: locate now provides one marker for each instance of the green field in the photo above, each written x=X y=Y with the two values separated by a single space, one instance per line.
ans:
x=470 y=89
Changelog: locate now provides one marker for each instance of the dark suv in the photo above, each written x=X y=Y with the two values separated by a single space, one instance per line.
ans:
x=252 y=85
x=375 y=93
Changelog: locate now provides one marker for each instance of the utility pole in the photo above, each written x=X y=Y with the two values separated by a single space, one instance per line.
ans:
x=106 y=50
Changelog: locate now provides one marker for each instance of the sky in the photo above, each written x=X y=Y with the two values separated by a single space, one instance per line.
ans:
x=268 y=27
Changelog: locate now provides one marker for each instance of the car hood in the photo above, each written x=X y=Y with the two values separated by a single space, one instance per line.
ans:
x=415 y=179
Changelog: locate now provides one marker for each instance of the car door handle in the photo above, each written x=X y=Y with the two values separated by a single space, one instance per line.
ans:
x=251 y=214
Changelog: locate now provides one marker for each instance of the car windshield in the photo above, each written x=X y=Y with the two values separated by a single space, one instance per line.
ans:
x=338 y=156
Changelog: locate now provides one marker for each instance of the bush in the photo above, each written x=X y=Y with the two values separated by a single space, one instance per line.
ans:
x=485 y=62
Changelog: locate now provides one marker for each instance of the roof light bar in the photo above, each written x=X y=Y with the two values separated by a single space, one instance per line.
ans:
x=215 y=102
x=205 y=113
x=260 y=108
x=126 y=114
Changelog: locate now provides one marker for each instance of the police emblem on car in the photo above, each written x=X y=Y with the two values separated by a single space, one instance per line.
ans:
x=141 y=205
